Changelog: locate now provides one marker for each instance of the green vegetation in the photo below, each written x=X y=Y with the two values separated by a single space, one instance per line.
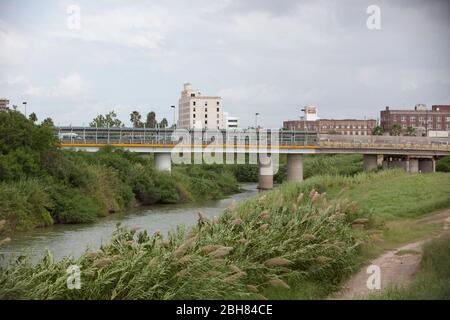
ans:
x=299 y=241
x=314 y=165
x=293 y=234
x=41 y=184
x=443 y=164
x=405 y=196
x=433 y=279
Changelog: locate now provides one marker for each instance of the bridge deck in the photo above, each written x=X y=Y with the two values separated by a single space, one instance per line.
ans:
x=247 y=141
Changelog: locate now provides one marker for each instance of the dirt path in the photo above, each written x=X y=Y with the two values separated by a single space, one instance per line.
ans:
x=397 y=267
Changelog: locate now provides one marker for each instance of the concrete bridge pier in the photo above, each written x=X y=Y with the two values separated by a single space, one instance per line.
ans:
x=163 y=162
x=265 y=176
x=427 y=165
x=370 y=162
x=413 y=165
x=294 y=167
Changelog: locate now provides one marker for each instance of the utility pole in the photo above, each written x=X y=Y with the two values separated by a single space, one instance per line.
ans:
x=174 y=125
x=25 y=106
x=256 y=120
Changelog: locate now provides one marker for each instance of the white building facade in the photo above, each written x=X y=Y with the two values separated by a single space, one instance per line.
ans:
x=200 y=112
x=232 y=122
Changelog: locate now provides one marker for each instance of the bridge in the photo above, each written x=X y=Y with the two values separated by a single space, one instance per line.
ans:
x=413 y=154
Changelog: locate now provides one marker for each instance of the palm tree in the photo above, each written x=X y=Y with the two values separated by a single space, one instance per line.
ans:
x=151 y=120
x=135 y=118
x=164 y=123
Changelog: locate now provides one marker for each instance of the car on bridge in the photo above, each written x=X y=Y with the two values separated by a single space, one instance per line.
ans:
x=69 y=136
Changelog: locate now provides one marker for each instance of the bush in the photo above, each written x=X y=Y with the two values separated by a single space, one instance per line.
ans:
x=262 y=243
x=25 y=205
x=443 y=164
x=73 y=207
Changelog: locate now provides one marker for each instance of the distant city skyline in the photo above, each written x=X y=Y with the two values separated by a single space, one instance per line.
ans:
x=266 y=57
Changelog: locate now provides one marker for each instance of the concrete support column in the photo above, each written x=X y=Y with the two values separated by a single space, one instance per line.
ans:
x=265 y=177
x=370 y=162
x=413 y=165
x=427 y=165
x=163 y=162
x=294 y=167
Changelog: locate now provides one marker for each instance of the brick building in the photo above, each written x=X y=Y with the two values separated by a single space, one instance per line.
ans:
x=333 y=126
x=4 y=104
x=422 y=119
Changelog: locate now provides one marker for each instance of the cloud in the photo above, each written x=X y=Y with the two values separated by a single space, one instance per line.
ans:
x=14 y=47
x=70 y=86
x=124 y=26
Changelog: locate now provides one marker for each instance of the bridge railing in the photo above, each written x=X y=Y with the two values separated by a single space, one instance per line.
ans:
x=384 y=142
x=166 y=137
x=142 y=136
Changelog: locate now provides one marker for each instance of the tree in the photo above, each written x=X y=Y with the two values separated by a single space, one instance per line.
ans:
x=396 y=130
x=33 y=117
x=48 y=122
x=164 y=123
x=151 y=120
x=377 y=131
x=410 y=131
x=108 y=120
x=135 y=118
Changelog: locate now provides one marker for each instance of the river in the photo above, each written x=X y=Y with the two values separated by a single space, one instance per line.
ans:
x=72 y=240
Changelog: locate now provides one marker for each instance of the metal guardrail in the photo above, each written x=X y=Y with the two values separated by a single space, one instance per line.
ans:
x=283 y=138
x=385 y=142
x=81 y=135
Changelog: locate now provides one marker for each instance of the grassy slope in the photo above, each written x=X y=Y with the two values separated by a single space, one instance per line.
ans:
x=392 y=214
x=404 y=196
x=315 y=236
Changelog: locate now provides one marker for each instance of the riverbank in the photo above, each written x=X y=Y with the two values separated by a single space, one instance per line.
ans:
x=42 y=185
x=299 y=241
x=74 y=239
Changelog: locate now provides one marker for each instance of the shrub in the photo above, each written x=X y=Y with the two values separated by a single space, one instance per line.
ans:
x=443 y=164
x=25 y=205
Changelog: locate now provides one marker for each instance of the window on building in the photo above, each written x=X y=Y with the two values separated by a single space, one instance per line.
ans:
x=447 y=119
x=438 y=119
x=193 y=103
x=206 y=115
x=192 y=94
x=206 y=121
x=206 y=109
x=438 y=126
x=403 y=118
x=206 y=103
x=217 y=121
x=217 y=109
x=193 y=115
x=218 y=103
x=412 y=119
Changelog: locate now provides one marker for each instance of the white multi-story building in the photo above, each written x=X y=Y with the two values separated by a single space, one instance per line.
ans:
x=310 y=113
x=232 y=122
x=200 y=112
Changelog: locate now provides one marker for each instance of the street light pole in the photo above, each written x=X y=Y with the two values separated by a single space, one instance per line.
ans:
x=25 y=106
x=173 y=107
x=256 y=120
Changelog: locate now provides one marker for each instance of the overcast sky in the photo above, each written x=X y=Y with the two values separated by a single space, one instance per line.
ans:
x=271 y=57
